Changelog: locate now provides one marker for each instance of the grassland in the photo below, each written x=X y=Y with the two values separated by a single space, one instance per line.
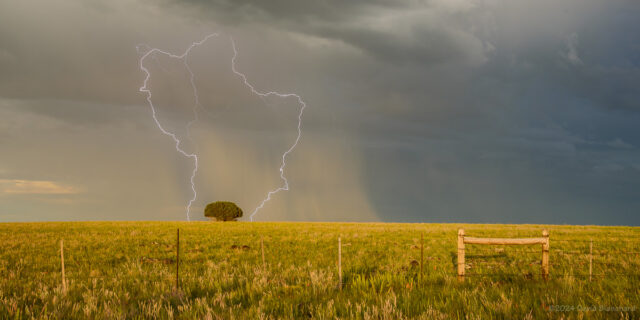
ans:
x=127 y=270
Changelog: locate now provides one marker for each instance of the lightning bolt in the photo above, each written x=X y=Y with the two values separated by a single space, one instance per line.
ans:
x=183 y=57
x=303 y=105
x=146 y=90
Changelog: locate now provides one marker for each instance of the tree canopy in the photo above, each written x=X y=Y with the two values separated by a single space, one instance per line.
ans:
x=223 y=211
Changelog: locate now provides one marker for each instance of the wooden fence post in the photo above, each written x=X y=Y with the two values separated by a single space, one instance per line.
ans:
x=545 y=255
x=64 y=280
x=421 y=254
x=340 y=262
x=178 y=259
x=264 y=265
x=461 y=255
x=590 y=258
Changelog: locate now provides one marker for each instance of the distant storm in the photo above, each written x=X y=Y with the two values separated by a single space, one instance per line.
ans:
x=422 y=111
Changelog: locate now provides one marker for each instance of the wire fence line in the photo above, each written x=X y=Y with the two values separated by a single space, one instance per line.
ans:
x=156 y=254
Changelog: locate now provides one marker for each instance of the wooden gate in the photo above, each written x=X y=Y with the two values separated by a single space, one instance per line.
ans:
x=544 y=241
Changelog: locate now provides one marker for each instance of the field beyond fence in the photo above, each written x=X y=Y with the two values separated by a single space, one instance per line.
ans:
x=319 y=270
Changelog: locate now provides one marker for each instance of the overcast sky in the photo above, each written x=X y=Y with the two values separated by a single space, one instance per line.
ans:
x=418 y=111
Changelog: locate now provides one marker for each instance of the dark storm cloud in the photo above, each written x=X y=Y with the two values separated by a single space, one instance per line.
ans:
x=395 y=31
x=286 y=11
x=441 y=110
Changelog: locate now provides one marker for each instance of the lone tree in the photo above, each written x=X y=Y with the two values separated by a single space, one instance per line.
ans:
x=223 y=211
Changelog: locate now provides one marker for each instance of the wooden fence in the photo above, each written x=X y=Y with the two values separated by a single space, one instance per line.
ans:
x=544 y=241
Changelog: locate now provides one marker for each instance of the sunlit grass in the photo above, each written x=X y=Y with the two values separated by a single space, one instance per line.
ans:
x=127 y=269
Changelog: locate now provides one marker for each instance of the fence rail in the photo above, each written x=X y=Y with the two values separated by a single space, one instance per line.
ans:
x=504 y=241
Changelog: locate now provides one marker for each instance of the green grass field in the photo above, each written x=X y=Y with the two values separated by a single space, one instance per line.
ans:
x=127 y=270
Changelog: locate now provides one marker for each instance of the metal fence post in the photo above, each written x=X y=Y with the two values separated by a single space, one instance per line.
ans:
x=340 y=262
x=590 y=258
x=421 y=254
x=178 y=260
x=64 y=280
x=264 y=265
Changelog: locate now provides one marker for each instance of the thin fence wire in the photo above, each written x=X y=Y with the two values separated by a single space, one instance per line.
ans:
x=161 y=253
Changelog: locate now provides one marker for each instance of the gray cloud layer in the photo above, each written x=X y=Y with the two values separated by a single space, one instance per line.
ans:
x=487 y=111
